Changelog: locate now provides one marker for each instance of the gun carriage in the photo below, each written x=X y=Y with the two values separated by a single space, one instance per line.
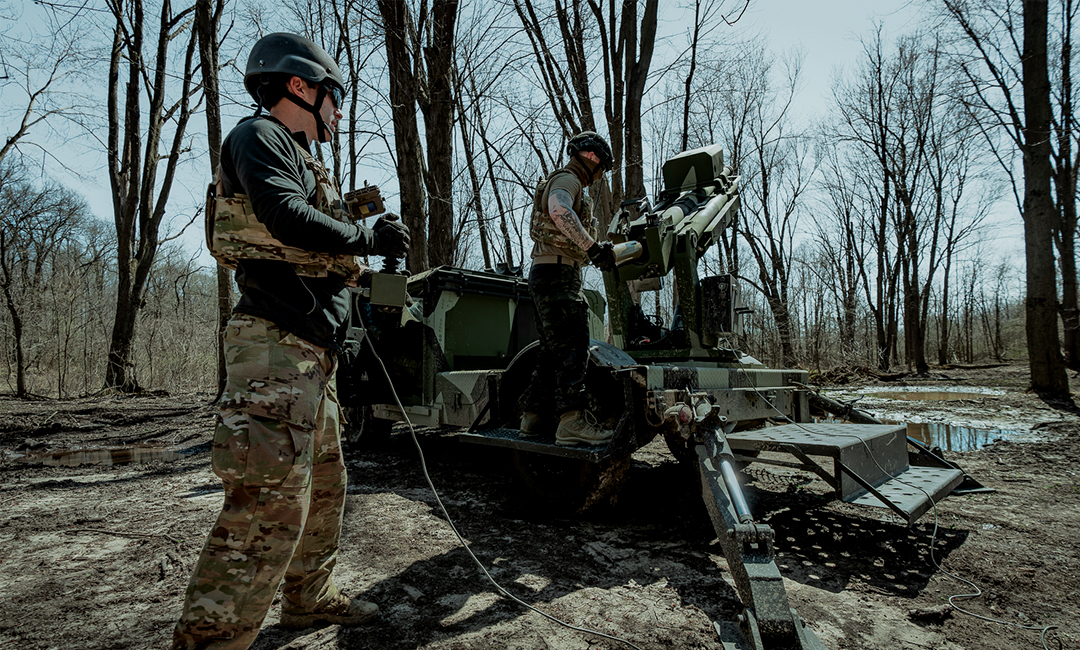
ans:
x=460 y=346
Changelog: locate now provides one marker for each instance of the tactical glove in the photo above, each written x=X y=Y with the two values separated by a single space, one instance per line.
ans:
x=602 y=256
x=391 y=236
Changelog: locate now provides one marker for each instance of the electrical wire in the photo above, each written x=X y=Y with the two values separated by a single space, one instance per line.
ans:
x=453 y=527
x=933 y=536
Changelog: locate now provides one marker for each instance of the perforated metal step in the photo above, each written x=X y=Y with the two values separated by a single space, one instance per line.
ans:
x=914 y=491
x=870 y=463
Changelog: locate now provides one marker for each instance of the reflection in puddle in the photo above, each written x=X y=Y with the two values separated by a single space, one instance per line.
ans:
x=930 y=395
x=109 y=455
x=954 y=438
x=949 y=437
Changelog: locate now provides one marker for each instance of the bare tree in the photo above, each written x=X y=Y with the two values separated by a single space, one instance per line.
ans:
x=895 y=114
x=999 y=63
x=1040 y=214
x=139 y=195
x=962 y=195
x=35 y=223
x=843 y=243
x=38 y=74
x=419 y=53
x=475 y=202
x=776 y=171
x=626 y=51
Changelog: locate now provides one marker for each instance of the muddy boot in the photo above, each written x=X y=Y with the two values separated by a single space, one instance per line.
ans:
x=341 y=610
x=534 y=425
x=581 y=427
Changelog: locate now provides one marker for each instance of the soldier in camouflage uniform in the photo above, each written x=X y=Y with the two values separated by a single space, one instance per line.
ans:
x=274 y=214
x=564 y=233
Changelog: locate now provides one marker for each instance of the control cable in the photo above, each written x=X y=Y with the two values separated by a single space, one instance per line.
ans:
x=450 y=521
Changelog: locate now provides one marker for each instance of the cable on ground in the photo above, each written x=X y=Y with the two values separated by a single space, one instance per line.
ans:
x=453 y=527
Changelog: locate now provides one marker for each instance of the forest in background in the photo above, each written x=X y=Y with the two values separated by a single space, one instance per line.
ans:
x=865 y=237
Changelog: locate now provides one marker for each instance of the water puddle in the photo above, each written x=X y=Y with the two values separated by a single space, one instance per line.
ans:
x=952 y=437
x=930 y=395
x=956 y=438
x=137 y=454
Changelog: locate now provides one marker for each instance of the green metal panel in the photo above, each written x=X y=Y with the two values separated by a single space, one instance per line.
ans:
x=477 y=331
x=597 y=304
x=691 y=169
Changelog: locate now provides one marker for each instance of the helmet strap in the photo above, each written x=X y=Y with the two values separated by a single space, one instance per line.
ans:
x=259 y=99
x=320 y=95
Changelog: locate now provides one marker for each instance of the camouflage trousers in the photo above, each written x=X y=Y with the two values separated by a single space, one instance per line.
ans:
x=278 y=452
x=558 y=381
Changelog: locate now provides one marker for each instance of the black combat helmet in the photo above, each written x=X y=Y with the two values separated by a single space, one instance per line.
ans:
x=283 y=55
x=594 y=142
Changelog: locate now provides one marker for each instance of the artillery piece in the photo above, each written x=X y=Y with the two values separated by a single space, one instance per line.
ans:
x=460 y=347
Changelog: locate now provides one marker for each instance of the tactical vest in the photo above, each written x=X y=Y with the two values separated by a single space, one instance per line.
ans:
x=544 y=231
x=233 y=232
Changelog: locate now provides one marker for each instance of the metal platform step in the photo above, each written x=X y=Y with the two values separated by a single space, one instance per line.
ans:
x=543 y=444
x=914 y=491
x=870 y=463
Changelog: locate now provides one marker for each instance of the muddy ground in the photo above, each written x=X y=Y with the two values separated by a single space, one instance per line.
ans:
x=97 y=556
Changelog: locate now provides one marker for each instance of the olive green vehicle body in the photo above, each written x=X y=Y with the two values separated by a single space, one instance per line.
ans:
x=461 y=351
x=459 y=348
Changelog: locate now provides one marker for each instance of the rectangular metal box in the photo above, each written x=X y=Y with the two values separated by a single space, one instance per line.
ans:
x=694 y=168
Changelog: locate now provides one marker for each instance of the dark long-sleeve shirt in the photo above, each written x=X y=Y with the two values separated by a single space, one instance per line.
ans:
x=260 y=159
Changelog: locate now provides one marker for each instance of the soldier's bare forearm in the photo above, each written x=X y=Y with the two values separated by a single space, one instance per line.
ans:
x=561 y=209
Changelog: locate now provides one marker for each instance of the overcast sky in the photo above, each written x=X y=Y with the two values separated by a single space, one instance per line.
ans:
x=828 y=34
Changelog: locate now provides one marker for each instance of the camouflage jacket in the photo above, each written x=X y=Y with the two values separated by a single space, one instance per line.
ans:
x=233 y=232
x=542 y=228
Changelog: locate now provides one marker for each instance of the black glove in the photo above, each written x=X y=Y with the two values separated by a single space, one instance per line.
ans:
x=602 y=256
x=391 y=236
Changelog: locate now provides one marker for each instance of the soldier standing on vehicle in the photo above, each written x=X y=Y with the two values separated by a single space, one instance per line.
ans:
x=564 y=233
x=275 y=214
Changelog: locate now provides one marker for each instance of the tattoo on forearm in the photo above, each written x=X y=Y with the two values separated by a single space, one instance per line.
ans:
x=561 y=209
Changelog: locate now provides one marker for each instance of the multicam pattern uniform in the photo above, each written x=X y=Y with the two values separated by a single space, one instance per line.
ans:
x=277 y=451
x=233 y=232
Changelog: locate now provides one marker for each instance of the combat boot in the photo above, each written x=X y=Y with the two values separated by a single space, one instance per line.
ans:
x=534 y=425
x=340 y=610
x=580 y=427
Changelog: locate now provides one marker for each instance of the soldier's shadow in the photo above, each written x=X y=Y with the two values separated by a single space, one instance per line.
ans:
x=658 y=530
x=538 y=555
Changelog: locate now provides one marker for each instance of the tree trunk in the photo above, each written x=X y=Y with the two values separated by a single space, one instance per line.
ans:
x=438 y=108
x=133 y=175
x=410 y=160
x=1065 y=184
x=1048 y=376
x=637 y=74
x=1070 y=309
x=16 y=325
x=573 y=33
x=474 y=177
x=689 y=81
x=943 y=346
x=207 y=15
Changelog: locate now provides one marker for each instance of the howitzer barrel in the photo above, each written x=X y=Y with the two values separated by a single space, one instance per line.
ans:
x=686 y=205
x=702 y=221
